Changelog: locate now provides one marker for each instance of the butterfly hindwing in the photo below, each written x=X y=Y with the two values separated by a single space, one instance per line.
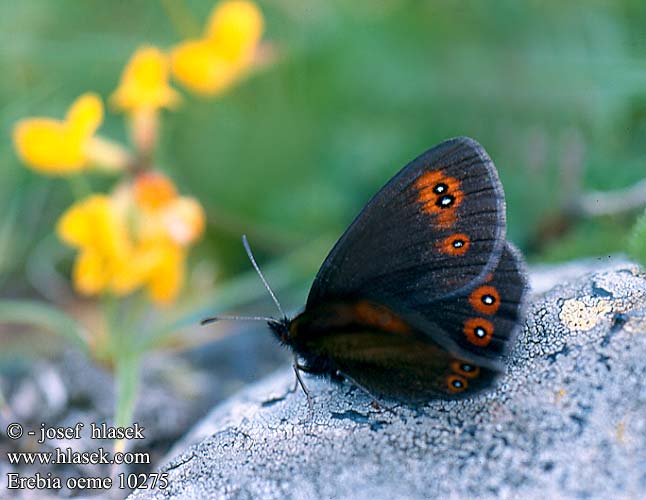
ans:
x=380 y=351
x=432 y=231
x=481 y=323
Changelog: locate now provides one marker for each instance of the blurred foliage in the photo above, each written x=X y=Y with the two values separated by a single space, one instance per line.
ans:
x=359 y=89
x=637 y=242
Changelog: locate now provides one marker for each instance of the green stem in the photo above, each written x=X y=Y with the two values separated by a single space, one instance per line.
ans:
x=112 y=328
x=127 y=387
x=126 y=362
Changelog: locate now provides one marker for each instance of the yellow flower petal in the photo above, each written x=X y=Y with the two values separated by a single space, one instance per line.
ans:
x=184 y=220
x=90 y=274
x=144 y=83
x=48 y=147
x=130 y=273
x=235 y=27
x=167 y=279
x=76 y=226
x=59 y=147
x=85 y=115
x=93 y=223
x=199 y=67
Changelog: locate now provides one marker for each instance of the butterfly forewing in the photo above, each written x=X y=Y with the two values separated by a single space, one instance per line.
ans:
x=431 y=232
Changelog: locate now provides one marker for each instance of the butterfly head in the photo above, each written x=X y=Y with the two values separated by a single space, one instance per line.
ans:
x=280 y=328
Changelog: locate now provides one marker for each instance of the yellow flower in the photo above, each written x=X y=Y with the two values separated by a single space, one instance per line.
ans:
x=60 y=147
x=144 y=83
x=96 y=228
x=235 y=28
x=202 y=69
x=213 y=63
x=136 y=238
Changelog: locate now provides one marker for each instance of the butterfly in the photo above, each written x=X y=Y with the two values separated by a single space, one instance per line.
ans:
x=421 y=296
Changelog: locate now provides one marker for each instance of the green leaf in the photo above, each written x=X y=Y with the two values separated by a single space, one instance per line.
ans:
x=44 y=316
x=127 y=379
x=637 y=241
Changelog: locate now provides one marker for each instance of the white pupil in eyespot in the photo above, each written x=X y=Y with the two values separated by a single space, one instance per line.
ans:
x=488 y=300
x=480 y=332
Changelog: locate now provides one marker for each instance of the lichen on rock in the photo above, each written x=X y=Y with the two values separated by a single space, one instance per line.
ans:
x=568 y=420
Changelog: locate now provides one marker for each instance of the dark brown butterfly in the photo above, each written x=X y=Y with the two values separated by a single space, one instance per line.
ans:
x=420 y=297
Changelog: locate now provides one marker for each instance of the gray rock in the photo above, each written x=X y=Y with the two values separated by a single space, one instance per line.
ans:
x=568 y=420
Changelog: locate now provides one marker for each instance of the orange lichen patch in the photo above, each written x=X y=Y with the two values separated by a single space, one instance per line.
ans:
x=456 y=383
x=478 y=331
x=465 y=369
x=440 y=195
x=379 y=317
x=456 y=245
x=485 y=299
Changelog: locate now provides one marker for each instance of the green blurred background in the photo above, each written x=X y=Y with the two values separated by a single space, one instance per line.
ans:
x=555 y=91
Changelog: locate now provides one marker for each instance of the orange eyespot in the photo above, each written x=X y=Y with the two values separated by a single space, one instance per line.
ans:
x=440 y=195
x=485 y=299
x=432 y=185
x=456 y=244
x=456 y=383
x=465 y=369
x=478 y=331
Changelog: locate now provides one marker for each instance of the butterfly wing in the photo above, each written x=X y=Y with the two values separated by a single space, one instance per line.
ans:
x=385 y=350
x=432 y=232
x=377 y=349
x=421 y=294
x=409 y=369
x=480 y=324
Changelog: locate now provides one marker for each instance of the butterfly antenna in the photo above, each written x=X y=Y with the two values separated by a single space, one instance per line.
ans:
x=213 y=319
x=257 y=268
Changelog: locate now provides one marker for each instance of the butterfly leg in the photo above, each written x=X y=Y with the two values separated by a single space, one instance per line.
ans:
x=375 y=400
x=281 y=398
x=310 y=402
